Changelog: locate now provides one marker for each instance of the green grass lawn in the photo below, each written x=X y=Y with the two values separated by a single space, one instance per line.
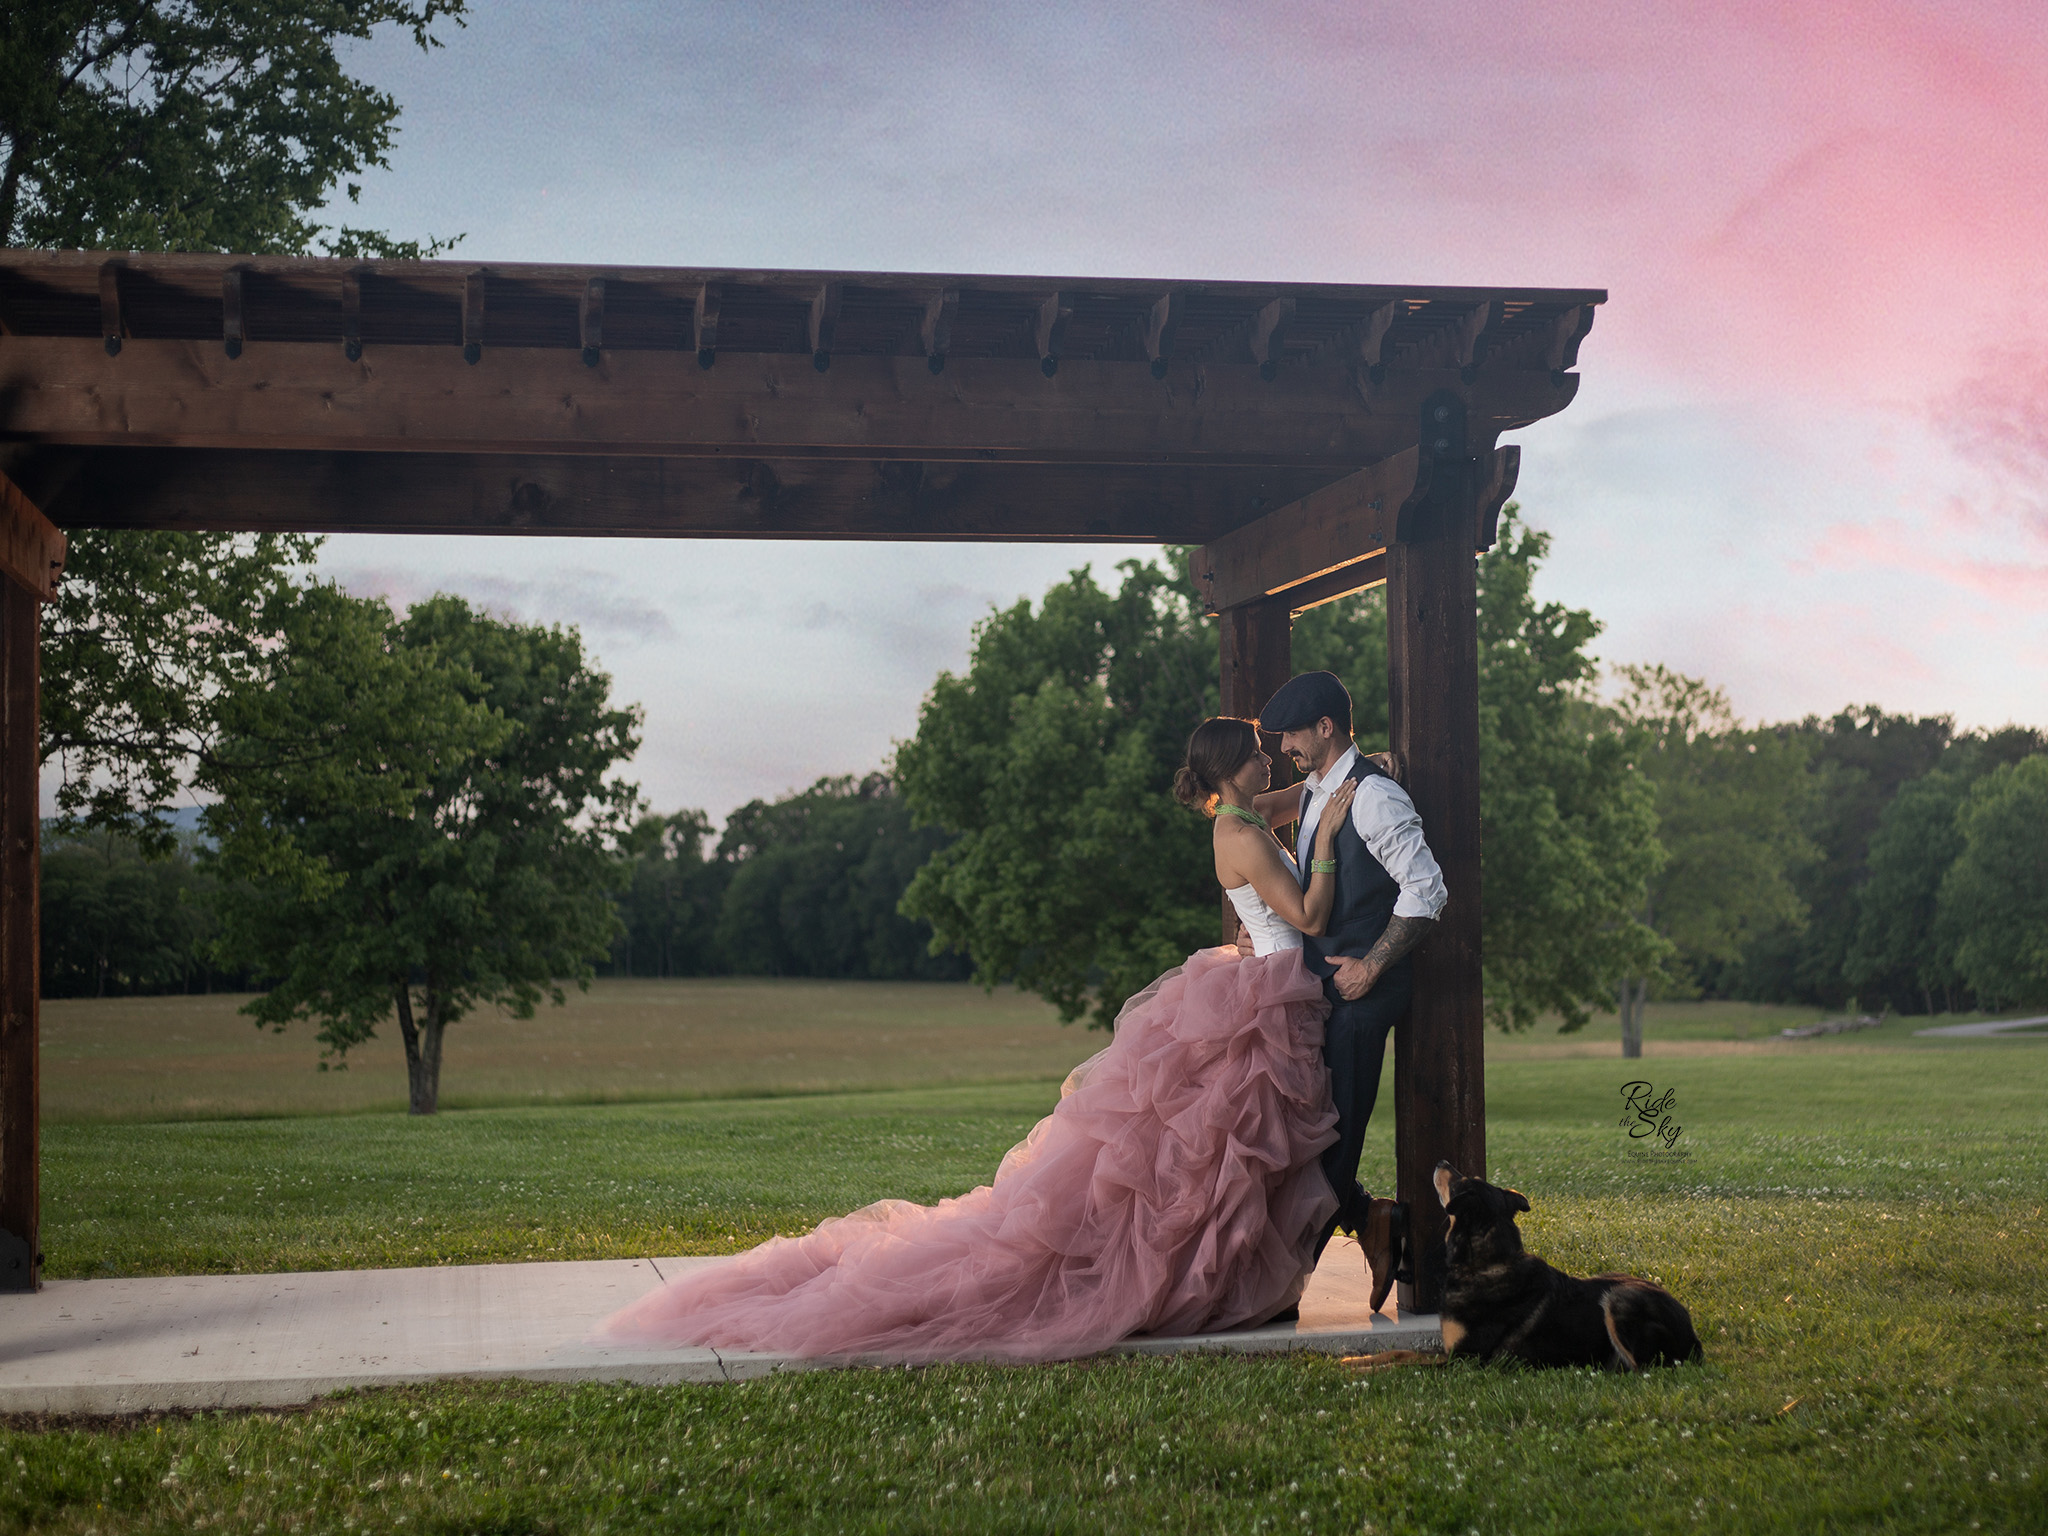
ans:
x=1856 y=1223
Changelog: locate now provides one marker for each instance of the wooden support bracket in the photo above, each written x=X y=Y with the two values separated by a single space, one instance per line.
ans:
x=232 y=332
x=704 y=325
x=31 y=546
x=1326 y=530
x=473 y=316
x=1159 y=331
x=590 y=322
x=110 y=307
x=1269 y=331
x=352 y=314
x=1051 y=333
x=824 y=322
x=935 y=332
x=1565 y=336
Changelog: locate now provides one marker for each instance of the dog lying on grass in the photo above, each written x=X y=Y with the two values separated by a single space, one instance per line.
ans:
x=1502 y=1302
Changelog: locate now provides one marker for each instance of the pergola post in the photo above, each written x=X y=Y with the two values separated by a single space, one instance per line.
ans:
x=1433 y=707
x=31 y=555
x=1255 y=660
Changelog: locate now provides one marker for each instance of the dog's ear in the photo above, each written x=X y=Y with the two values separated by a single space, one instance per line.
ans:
x=1517 y=1201
x=1444 y=1174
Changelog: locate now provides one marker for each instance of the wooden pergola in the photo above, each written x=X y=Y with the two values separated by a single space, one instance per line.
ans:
x=1313 y=440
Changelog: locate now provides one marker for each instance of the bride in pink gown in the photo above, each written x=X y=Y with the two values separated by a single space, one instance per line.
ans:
x=1174 y=1190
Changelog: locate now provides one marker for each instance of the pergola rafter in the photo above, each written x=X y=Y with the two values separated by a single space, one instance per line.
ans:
x=1313 y=439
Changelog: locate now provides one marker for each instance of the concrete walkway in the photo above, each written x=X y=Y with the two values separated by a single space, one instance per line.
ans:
x=249 y=1341
x=1987 y=1027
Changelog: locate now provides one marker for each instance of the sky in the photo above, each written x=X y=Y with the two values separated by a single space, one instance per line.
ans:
x=1808 y=461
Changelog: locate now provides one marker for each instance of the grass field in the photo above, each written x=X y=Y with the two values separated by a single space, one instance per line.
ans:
x=1856 y=1223
x=199 y=1058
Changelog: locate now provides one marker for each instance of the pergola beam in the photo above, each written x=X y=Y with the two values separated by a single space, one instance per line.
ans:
x=642 y=496
x=298 y=395
x=1304 y=550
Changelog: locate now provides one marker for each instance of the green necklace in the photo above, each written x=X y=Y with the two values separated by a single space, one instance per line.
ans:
x=1225 y=808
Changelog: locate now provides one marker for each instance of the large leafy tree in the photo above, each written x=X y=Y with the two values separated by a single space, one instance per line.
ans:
x=815 y=881
x=1994 y=898
x=193 y=125
x=148 y=635
x=1568 y=821
x=1858 y=759
x=1072 y=870
x=419 y=816
x=1074 y=873
x=668 y=894
x=170 y=125
x=1730 y=806
x=1901 y=954
x=116 y=923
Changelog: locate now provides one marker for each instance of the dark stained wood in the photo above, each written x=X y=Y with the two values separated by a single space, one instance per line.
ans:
x=641 y=495
x=20 y=949
x=1257 y=644
x=233 y=328
x=704 y=324
x=31 y=547
x=1337 y=525
x=935 y=328
x=1050 y=332
x=425 y=400
x=1504 y=473
x=1160 y=325
x=590 y=321
x=1433 y=678
x=824 y=323
x=110 y=307
x=1269 y=336
x=1347 y=581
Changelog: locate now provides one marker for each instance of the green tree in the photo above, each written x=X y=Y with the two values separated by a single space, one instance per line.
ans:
x=1994 y=899
x=1730 y=805
x=172 y=125
x=1071 y=870
x=115 y=923
x=419 y=816
x=1075 y=874
x=1568 y=821
x=668 y=898
x=193 y=125
x=1858 y=759
x=148 y=635
x=1900 y=954
x=815 y=882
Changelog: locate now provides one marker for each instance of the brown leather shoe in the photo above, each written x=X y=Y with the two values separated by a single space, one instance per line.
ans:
x=1380 y=1235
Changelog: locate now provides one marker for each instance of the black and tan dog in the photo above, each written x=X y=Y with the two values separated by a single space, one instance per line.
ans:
x=1501 y=1302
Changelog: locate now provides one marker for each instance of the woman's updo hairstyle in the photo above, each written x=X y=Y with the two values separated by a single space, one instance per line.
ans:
x=1219 y=747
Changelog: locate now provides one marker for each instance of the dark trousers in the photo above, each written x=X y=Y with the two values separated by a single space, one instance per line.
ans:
x=1354 y=1047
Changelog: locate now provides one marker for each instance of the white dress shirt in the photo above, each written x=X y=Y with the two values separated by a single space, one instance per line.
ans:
x=1386 y=821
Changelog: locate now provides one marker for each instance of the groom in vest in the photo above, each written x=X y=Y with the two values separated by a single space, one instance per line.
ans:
x=1389 y=893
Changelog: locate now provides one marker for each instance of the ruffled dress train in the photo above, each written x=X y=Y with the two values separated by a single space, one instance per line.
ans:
x=1174 y=1190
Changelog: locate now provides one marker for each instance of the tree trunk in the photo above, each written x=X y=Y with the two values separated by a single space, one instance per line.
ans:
x=1634 y=992
x=422 y=1053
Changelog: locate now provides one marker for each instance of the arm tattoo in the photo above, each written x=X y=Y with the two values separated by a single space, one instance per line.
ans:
x=1402 y=935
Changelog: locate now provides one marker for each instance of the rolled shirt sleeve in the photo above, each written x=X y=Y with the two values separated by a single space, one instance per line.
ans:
x=1387 y=821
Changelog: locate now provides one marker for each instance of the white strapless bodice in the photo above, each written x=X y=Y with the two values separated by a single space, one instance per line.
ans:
x=1267 y=931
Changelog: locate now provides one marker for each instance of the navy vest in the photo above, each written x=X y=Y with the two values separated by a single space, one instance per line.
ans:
x=1366 y=894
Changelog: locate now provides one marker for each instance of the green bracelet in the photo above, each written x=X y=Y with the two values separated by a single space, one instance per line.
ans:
x=1322 y=866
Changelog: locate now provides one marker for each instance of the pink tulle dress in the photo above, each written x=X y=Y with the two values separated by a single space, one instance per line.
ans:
x=1174 y=1190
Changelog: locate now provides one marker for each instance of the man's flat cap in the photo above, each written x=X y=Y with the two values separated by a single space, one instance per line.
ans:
x=1304 y=700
